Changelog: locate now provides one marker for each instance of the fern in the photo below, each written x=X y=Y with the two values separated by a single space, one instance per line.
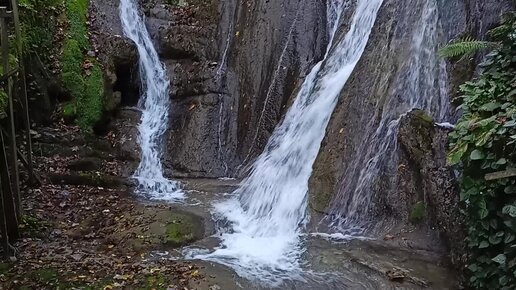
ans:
x=464 y=47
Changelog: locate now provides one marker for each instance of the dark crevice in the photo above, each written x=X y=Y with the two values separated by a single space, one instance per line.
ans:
x=127 y=84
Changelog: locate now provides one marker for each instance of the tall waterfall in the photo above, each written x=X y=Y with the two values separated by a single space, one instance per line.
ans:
x=154 y=104
x=421 y=85
x=270 y=211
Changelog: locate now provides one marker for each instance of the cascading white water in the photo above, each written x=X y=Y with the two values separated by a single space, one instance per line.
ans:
x=270 y=211
x=422 y=85
x=154 y=104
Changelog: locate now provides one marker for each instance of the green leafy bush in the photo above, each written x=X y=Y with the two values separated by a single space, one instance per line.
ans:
x=40 y=21
x=39 y=25
x=484 y=142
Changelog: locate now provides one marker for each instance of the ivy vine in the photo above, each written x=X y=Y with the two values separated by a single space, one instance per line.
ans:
x=484 y=143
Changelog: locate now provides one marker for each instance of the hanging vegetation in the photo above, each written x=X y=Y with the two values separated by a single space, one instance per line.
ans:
x=484 y=143
x=81 y=75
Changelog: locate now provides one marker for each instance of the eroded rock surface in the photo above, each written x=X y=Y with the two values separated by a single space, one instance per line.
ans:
x=234 y=75
x=425 y=178
x=233 y=67
x=421 y=175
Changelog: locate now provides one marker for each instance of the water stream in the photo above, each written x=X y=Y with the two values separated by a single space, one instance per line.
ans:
x=267 y=216
x=421 y=85
x=154 y=104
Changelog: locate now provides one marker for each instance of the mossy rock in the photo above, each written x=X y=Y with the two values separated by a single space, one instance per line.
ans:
x=91 y=104
x=166 y=228
x=69 y=111
x=180 y=3
x=423 y=116
x=82 y=78
x=418 y=213
x=5 y=267
x=181 y=229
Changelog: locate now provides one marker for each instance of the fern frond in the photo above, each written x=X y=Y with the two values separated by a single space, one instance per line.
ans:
x=465 y=46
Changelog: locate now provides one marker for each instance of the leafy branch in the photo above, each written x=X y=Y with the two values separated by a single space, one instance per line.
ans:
x=466 y=47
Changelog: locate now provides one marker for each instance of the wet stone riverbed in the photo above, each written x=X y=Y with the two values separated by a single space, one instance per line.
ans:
x=364 y=263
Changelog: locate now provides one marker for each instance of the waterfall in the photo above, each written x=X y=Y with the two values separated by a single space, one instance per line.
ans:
x=154 y=104
x=269 y=212
x=421 y=85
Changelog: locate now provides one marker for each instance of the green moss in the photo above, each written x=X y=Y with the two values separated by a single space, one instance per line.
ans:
x=77 y=10
x=179 y=230
x=74 y=83
x=69 y=111
x=72 y=57
x=418 y=212
x=423 y=116
x=47 y=275
x=86 y=87
x=90 y=105
x=156 y=281
x=32 y=223
x=4 y=268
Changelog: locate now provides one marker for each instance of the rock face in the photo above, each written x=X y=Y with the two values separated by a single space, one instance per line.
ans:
x=233 y=66
x=422 y=175
x=425 y=179
x=232 y=78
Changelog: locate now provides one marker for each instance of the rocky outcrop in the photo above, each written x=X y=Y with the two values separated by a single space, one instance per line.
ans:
x=366 y=90
x=233 y=66
x=233 y=78
x=425 y=178
x=416 y=173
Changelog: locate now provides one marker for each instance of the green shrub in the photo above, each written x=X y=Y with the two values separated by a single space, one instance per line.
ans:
x=484 y=142
x=39 y=25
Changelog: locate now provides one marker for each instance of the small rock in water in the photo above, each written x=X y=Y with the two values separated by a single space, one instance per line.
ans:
x=396 y=274
x=388 y=237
